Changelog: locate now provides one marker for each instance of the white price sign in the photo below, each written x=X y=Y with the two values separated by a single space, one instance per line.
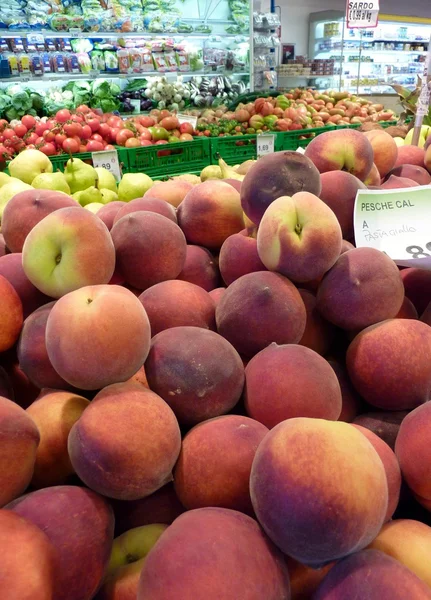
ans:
x=362 y=15
x=300 y=150
x=265 y=144
x=188 y=119
x=108 y=159
x=396 y=222
x=136 y=103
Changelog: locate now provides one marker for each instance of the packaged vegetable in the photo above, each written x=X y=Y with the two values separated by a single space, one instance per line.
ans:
x=111 y=61
x=123 y=60
x=159 y=62
x=84 y=62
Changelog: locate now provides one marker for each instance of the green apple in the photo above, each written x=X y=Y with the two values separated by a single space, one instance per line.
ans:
x=133 y=185
x=28 y=164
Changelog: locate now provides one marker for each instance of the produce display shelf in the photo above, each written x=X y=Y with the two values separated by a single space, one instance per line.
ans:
x=59 y=161
x=235 y=149
x=116 y=34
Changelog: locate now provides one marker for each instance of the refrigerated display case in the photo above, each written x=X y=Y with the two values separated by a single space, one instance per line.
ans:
x=369 y=61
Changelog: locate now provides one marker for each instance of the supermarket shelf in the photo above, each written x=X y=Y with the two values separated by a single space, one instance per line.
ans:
x=307 y=76
x=366 y=50
x=370 y=40
x=77 y=76
x=112 y=34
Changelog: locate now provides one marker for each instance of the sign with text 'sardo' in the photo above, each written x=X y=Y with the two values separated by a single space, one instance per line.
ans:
x=362 y=15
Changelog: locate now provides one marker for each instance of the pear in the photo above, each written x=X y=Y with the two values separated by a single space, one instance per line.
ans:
x=108 y=196
x=28 y=164
x=79 y=175
x=244 y=167
x=51 y=181
x=229 y=172
x=211 y=172
x=106 y=179
x=424 y=133
x=4 y=179
x=133 y=185
x=90 y=195
x=9 y=190
x=94 y=207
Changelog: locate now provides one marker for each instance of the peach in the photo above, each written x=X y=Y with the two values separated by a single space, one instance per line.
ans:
x=242 y=562
x=147 y=204
x=210 y=213
x=214 y=465
x=11 y=268
x=413 y=451
x=24 y=391
x=342 y=150
x=275 y=175
x=97 y=335
x=417 y=285
x=319 y=333
x=385 y=150
x=318 y=489
x=283 y=382
x=11 y=317
x=68 y=249
x=149 y=248
x=389 y=364
x=80 y=526
x=384 y=424
x=395 y=183
x=426 y=315
x=26 y=209
x=351 y=403
x=339 y=190
x=345 y=245
x=173 y=191
x=427 y=158
x=176 y=303
x=362 y=288
x=407 y=310
x=2 y=245
x=27 y=567
x=304 y=580
x=217 y=294
x=19 y=439
x=260 y=308
x=32 y=353
x=196 y=371
x=108 y=211
x=392 y=468
x=410 y=155
x=139 y=377
x=54 y=414
x=299 y=237
x=235 y=183
x=108 y=450
x=6 y=388
x=238 y=256
x=373 y=178
x=371 y=575
x=200 y=268
x=412 y=172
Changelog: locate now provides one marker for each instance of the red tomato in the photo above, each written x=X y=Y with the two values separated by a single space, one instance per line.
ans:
x=147 y=121
x=82 y=148
x=105 y=131
x=86 y=132
x=77 y=119
x=146 y=134
x=114 y=133
x=31 y=138
x=48 y=149
x=72 y=129
x=8 y=133
x=40 y=128
x=94 y=146
x=132 y=143
x=20 y=130
x=109 y=147
x=70 y=145
x=146 y=142
x=94 y=123
x=97 y=137
x=115 y=122
x=122 y=136
x=3 y=124
x=59 y=139
x=48 y=135
x=83 y=108
x=63 y=115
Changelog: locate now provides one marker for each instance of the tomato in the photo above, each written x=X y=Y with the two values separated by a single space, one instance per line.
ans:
x=109 y=147
x=82 y=148
x=40 y=128
x=48 y=135
x=63 y=115
x=105 y=131
x=8 y=133
x=83 y=108
x=94 y=146
x=94 y=123
x=28 y=121
x=146 y=142
x=3 y=124
x=186 y=137
x=186 y=128
x=115 y=122
x=70 y=145
x=146 y=134
x=86 y=132
x=162 y=152
x=48 y=149
x=77 y=119
x=122 y=136
x=132 y=143
x=59 y=139
x=20 y=130
x=31 y=138
x=147 y=121
x=71 y=129
x=114 y=133
x=96 y=137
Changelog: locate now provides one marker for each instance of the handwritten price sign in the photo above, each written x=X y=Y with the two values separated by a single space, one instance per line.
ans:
x=108 y=159
x=397 y=222
x=265 y=145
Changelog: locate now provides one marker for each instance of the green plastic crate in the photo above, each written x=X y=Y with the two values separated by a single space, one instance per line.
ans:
x=234 y=149
x=291 y=140
x=183 y=157
x=59 y=161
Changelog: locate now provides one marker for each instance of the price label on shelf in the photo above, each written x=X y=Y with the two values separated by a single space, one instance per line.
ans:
x=396 y=222
x=362 y=15
x=136 y=103
x=35 y=38
x=75 y=31
x=108 y=159
x=24 y=77
x=265 y=144
x=188 y=119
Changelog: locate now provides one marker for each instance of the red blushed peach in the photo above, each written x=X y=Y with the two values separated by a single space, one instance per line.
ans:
x=299 y=237
x=346 y=246
x=242 y=563
x=214 y=465
x=304 y=580
x=414 y=451
x=384 y=424
x=109 y=452
x=176 y=303
x=149 y=248
x=319 y=333
x=25 y=210
x=392 y=468
x=410 y=155
x=54 y=414
x=417 y=285
x=11 y=318
x=6 y=388
x=258 y=309
x=97 y=335
x=200 y=268
x=172 y=192
x=342 y=150
x=339 y=193
x=373 y=178
x=19 y=439
x=238 y=256
x=371 y=575
x=351 y=403
x=108 y=211
x=80 y=526
x=11 y=269
x=24 y=391
x=27 y=569
x=197 y=372
x=68 y=249
x=385 y=150
x=413 y=172
x=210 y=213
x=389 y=365
x=283 y=382
x=426 y=315
x=217 y=294
x=148 y=205
x=407 y=310
x=275 y=175
x=409 y=542
x=2 y=245
x=318 y=489
x=362 y=288
x=139 y=377
x=396 y=183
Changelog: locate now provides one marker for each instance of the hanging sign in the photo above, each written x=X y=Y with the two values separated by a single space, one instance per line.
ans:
x=362 y=15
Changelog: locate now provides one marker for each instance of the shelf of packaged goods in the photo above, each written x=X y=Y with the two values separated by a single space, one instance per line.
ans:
x=345 y=50
x=307 y=76
x=367 y=40
x=115 y=34
x=77 y=76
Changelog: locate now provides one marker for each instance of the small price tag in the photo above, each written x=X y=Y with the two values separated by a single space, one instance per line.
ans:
x=136 y=103
x=300 y=150
x=24 y=77
x=265 y=144
x=94 y=73
x=75 y=31
x=35 y=38
x=188 y=119
x=396 y=222
x=108 y=159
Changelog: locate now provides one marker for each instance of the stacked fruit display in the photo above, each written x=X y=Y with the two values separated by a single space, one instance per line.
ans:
x=212 y=374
